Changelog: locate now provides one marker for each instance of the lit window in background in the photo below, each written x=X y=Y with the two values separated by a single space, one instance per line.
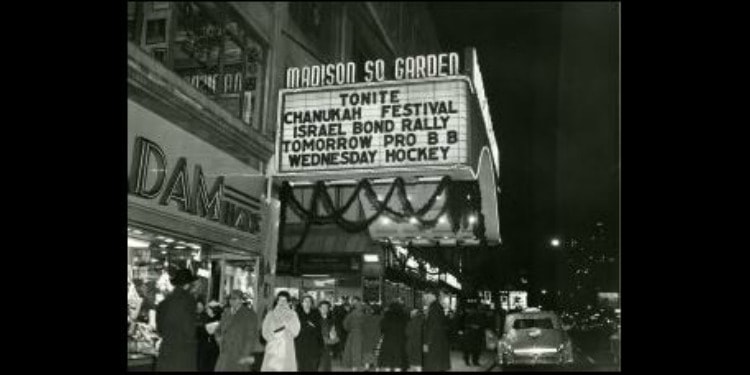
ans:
x=371 y=258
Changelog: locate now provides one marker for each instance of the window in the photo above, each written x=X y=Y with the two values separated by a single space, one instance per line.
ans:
x=241 y=275
x=533 y=323
x=156 y=31
x=208 y=45
x=160 y=54
x=152 y=258
x=218 y=56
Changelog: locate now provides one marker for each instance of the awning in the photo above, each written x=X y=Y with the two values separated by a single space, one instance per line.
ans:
x=328 y=239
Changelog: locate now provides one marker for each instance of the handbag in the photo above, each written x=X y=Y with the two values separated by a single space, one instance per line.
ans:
x=333 y=337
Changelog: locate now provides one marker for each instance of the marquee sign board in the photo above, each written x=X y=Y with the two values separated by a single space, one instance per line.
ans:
x=374 y=126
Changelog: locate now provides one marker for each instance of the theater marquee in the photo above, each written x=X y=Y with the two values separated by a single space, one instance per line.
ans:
x=385 y=125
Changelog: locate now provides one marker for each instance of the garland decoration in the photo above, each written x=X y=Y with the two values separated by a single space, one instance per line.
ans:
x=461 y=200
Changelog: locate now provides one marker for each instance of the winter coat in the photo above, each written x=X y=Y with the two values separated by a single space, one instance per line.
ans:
x=414 y=340
x=370 y=336
x=326 y=326
x=474 y=326
x=393 y=349
x=438 y=356
x=353 y=353
x=280 y=328
x=237 y=336
x=208 y=348
x=175 y=323
x=309 y=343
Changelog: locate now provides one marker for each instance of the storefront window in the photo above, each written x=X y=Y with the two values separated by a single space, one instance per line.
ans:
x=241 y=275
x=207 y=45
x=152 y=258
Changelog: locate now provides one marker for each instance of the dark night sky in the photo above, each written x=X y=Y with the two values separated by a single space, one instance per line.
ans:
x=551 y=77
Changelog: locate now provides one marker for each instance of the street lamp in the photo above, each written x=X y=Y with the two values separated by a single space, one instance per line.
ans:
x=555 y=242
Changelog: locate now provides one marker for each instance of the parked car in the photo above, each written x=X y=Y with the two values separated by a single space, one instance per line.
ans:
x=534 y=337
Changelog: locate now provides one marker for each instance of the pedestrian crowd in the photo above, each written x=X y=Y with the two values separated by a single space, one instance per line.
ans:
x=307 y=336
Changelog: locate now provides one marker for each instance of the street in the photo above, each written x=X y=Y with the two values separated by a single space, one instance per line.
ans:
x=586 y=362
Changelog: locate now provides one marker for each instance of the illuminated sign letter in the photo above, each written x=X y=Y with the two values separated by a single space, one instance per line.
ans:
x=143 y=149
x=177 y=187
x=205 y=203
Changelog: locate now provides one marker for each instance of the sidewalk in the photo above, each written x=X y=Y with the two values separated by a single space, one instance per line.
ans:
x=457 y=363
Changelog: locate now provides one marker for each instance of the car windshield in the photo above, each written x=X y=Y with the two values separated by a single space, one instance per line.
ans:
x=545 y=323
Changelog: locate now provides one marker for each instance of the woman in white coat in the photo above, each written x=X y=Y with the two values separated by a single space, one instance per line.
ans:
x=280 y=327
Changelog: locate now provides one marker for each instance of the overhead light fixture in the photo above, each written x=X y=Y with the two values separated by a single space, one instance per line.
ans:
x=316 y=275
x=371 y=258
x=342 y=182
x=385 y=221
x=443 y=219
x=168 y=240
x=430 y=179
x=136 y=231
x=180 y=247
x=414 y=220
x=472 y=219
x=163 y=246
x=136 y=243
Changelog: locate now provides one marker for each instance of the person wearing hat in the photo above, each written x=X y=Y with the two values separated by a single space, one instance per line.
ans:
x=236 y=335
x=175 y=323
x=436 y=345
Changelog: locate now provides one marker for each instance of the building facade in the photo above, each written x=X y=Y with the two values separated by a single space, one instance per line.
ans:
x=203 y=88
